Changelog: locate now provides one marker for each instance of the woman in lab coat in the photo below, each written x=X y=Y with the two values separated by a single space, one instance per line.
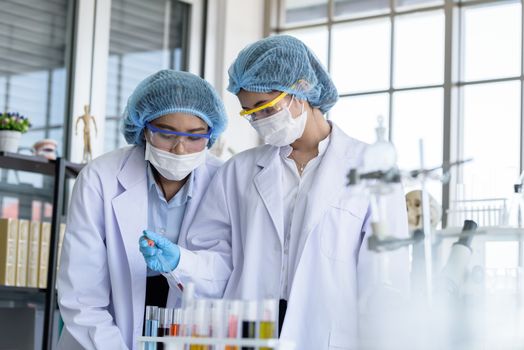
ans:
x=170 y=120
x=279 y=221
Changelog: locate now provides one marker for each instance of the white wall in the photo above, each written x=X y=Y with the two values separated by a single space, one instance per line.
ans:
x=232 y=24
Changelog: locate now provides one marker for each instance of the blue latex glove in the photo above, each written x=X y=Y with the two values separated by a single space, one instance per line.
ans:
x=162 y=256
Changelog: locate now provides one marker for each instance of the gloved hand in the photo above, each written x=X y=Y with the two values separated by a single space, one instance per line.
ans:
x=160 y=253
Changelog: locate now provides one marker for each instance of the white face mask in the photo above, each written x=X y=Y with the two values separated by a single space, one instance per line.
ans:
x=172 y=166
x=281 y=128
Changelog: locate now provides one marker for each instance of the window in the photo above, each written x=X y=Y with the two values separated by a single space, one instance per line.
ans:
x=34 y=73
x=395 y=59
x=491 y=81
x=33 y=68
x=145 y=36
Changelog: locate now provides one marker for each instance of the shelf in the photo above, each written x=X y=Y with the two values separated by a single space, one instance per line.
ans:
x=22 y=294
x=490 y=232
x=25 y=189
x=60 y=170
x=36 y=164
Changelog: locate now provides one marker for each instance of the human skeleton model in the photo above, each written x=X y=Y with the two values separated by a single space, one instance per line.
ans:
x=86 y=118
x=414 y=207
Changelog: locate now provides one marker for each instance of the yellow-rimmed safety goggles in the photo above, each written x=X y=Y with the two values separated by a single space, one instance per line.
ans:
x=268 y=108
x=272 y=103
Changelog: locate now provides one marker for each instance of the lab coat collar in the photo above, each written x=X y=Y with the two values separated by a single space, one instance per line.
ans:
x=285 y=151
x=340 y=155
x=130 y=208
x=200 y=177
x=128 y=175
x=181 y=197
x=330 y=181
x=269 y=186
x=331 y=176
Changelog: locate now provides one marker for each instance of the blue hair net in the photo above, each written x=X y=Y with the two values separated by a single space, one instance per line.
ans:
x=169 y=91
x=278 y=63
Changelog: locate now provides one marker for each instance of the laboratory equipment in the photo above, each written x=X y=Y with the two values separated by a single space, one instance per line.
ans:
x=176 y=322
x=201 y=324
x=218 y=321
x=233 y=321
x=379 y=169
x=515 y=215
x=249 y=320
x=454 y=271
x=379 y=174
x=166 y=316
x=151 y=325
x=188 y=302
x=222 y=324
x=381 y=155
x=268 y=320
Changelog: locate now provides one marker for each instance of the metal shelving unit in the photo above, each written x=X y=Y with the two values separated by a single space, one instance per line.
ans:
x=61 y=170
x=22 y=294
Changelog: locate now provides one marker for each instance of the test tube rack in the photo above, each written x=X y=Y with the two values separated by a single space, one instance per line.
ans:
x=174 y=343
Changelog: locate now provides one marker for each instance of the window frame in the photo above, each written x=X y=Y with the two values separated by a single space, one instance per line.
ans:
x=90 y=64
x=453 y=85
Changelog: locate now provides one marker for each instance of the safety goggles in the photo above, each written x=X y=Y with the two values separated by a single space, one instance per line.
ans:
x=167 y=139
x=267 y=109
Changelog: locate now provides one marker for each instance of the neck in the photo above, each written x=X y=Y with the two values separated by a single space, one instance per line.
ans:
x=317 y=129
x=169 y=187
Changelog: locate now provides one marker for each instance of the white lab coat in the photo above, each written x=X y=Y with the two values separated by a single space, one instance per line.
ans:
x=102 y=278
x=235 y=244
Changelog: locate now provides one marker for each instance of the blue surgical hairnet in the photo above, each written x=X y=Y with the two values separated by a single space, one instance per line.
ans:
x=169 y=91
x=278 y=63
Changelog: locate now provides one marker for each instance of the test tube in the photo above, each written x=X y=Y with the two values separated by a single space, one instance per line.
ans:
x=166 y=316
x=176 y=328
x=249 y=321
x=268 y=320
x=233 y=318
x=188 y=300
x=201 y=326
x=151 y=328
x=187 y=322
x=188 y=295
x=176 y=322
x=218 y=321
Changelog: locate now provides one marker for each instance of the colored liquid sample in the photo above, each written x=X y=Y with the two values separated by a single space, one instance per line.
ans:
x=248 y=331
x=151 y=331
x=162 y=332
x=175 y=329
x=151 y=328
x=232 y=332
x=198 y=347
x=267 y=331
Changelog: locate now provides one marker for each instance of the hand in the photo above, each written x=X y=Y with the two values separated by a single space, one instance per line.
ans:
x=160 y=253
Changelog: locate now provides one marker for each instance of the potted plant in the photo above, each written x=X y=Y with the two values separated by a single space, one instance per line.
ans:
x=12 y=126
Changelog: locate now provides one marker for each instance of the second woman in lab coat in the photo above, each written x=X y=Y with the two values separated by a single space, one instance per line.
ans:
x=157 y=183
x=279 y=220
